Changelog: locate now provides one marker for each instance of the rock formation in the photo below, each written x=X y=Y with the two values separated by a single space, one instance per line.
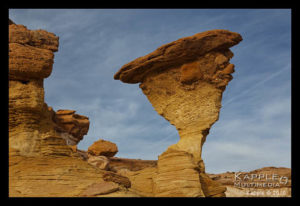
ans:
x=103 y=148
x=41 y=161
x=71 y=126
x=30 y=61
x=184 y=81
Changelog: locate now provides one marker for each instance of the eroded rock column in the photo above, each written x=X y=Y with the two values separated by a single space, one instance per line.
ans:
x=31 y=55
x=41 y=162
x=184 y=81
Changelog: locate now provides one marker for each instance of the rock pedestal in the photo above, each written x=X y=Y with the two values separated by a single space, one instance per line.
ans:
x=184 y=81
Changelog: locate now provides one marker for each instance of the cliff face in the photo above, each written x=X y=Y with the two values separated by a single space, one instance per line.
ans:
x=30 y=61
x=184 y=81
x=41 y=161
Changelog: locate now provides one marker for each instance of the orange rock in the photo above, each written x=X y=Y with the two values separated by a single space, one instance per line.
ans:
x=176 y=53
x=27 y=62
x=74 y=148
x=190 y=72
x=229 y=69
x=35 y=38
x=75 y=125
x=103 y=148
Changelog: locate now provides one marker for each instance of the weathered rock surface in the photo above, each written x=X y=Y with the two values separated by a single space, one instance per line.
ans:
x=103 y=148
x=37 y=38
x=30 y=127
x=113 y=177
x=99 y=161
x=184 y=81
x=141 y=181
x=100 y=189
x=71 y=126
x=41 y=163
x=117 y=164
x=176 y=53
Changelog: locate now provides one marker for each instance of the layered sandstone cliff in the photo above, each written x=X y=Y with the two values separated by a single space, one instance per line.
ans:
x=184 y=81
x=42 y=162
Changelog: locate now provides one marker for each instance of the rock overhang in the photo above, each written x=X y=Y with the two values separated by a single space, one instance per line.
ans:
x=176 y=53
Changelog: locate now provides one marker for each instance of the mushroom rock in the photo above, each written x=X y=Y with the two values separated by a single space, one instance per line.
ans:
x=184 y=81
x=38 y=152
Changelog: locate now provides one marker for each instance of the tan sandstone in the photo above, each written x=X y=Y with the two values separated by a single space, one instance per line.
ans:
x=41 y=163
x=71 y=126
x=184 y=81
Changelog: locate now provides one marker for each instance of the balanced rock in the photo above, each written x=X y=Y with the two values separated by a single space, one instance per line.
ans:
x=103 y=148
x=184 y=81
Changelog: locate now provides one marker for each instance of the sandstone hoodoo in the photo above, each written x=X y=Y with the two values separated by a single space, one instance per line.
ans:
x=184 y=81
x=43 y=159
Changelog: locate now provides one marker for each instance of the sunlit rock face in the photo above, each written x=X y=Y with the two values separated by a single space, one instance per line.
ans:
x=31 y=57
x=42 y=162
x=184 y=81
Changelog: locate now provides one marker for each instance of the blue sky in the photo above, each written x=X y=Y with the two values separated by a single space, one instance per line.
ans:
x=254 y=128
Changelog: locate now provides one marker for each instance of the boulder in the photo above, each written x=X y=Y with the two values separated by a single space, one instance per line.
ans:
x=103 y=148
